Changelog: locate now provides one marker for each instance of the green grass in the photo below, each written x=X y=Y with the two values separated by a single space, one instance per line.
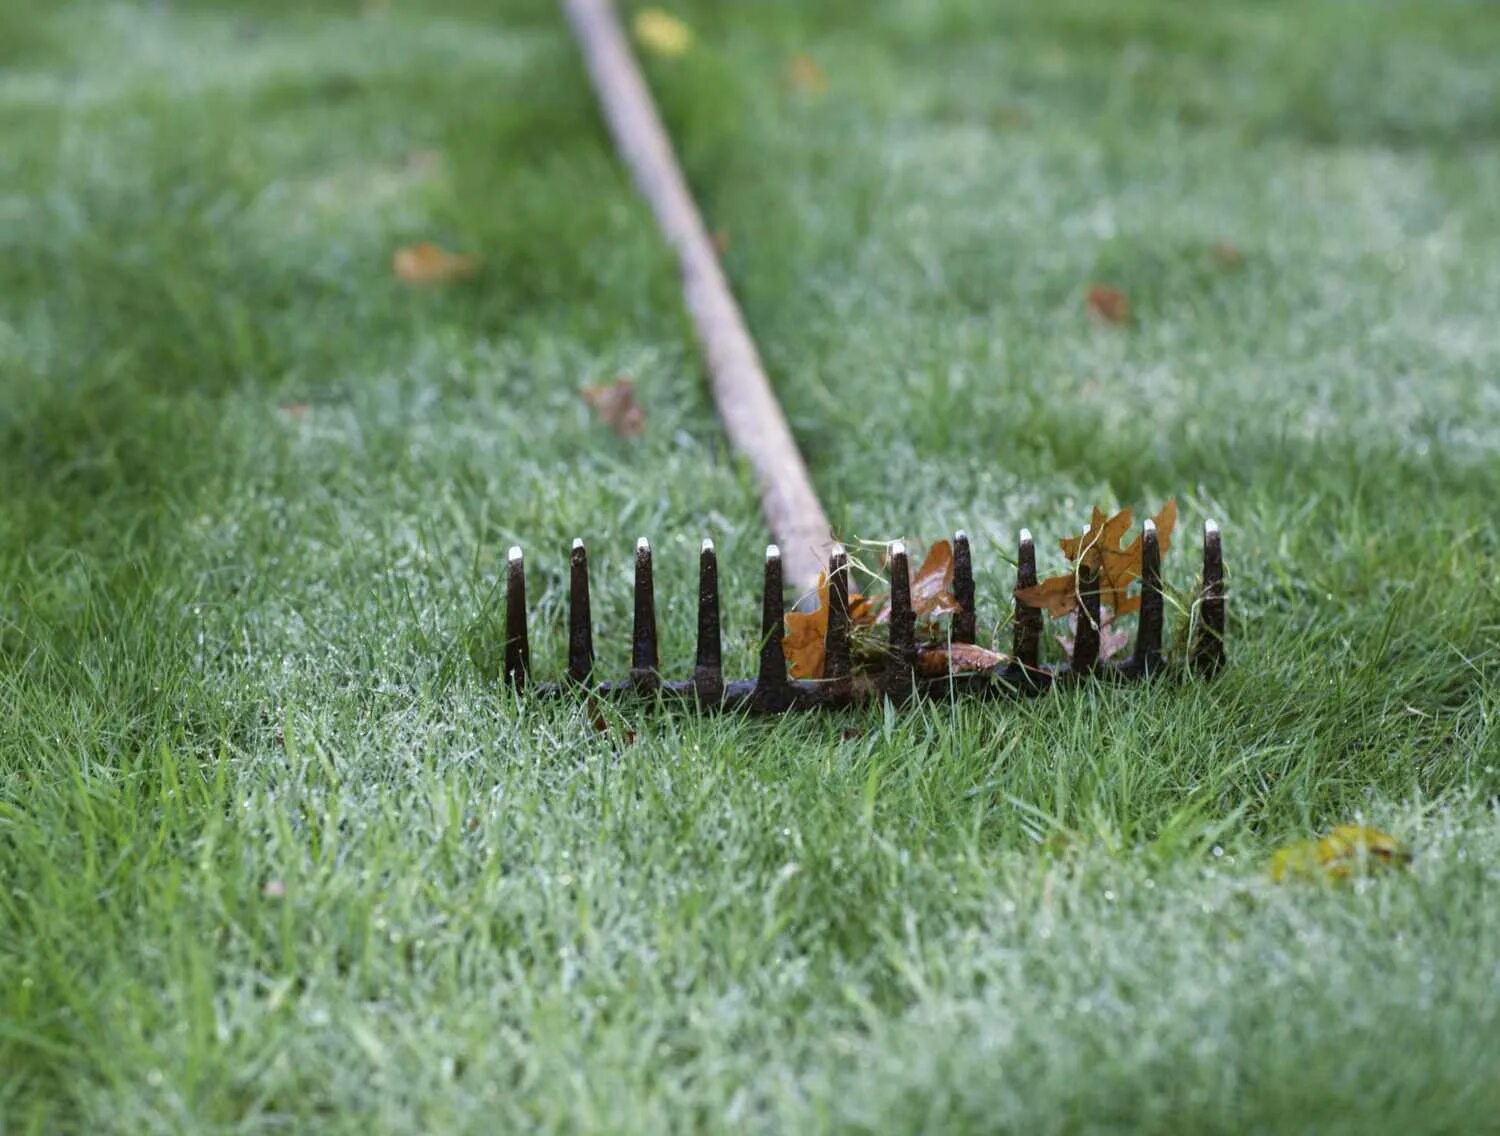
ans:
x=244 y=643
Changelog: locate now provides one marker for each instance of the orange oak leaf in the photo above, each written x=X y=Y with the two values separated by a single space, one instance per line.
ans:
x=616 y=406
x=806 y=635
x=1099 y=548
x=806 y=631
x=427 y=263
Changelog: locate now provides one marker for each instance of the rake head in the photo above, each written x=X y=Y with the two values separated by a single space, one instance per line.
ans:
x=773 y=692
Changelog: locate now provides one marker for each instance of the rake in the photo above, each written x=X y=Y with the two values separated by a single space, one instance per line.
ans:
x=758 y=431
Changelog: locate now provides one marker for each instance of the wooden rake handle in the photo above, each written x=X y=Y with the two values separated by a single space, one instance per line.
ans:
x=752 y=417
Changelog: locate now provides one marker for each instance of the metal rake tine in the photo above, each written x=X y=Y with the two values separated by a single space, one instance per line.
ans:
x=1208 y=644
x=1026 y=644
x=644 y=656
x=902 y=664
x=708 y=672
x=837 y=665
x=517 y=647
x=1086 y=634
x=1149 y=628
x=580 y=618
x=771 y=692
x=965 y=620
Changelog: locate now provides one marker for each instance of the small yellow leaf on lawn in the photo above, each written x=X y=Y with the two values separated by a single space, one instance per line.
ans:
x=662 y=33
x=1349 y=850
x=804 y=75
x=427 y=263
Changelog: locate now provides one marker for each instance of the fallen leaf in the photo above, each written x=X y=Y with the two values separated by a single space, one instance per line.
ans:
x=719 y=238
x=807 y=631
x=661 y=33
x=1348 y=850
x=931 y=587
x=803 y=643
x=621 y=738
x=616 y=406
x=1056 y=595
x=1103 y=533
x=1108 y=305
x=937 y=659
x=804 y=75
x=295 y=409
x=427 y=263
x=1228 y=255
x=1111 y=640
x=864 y=609
x=1099 y=548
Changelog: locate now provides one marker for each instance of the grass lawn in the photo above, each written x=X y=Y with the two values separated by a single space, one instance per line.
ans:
x=277 y=853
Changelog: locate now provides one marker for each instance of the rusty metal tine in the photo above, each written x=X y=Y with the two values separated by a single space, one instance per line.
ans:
x=1208 y=644
x=1085 y=658
x=1149 y=629
x=965 y=620
x=708 y=672
x=644 y=657
x=580 y=618
x=770 y=684
x=837 y=664
x=517 y=647
x=1027 y=637
x=902 y=664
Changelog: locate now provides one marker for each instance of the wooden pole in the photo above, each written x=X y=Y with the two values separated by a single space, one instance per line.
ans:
x=752 y=417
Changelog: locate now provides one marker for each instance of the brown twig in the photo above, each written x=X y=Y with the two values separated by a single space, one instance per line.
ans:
x=752 y=417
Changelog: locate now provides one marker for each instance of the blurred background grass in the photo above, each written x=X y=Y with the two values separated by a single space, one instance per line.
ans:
x=278 y=853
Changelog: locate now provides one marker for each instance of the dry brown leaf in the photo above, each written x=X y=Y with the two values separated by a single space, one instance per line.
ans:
x=1056 y=595
x=1111 y=640
x=661 y=33
x=616 y=406
x=806 y=631
x=719 y=238
x=864 y=609
x=804 y=75
x=1228 y=255
x=931 y=587
x=620 y=738
x=427 y=263
x=1107 y=304
x=935 y=660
